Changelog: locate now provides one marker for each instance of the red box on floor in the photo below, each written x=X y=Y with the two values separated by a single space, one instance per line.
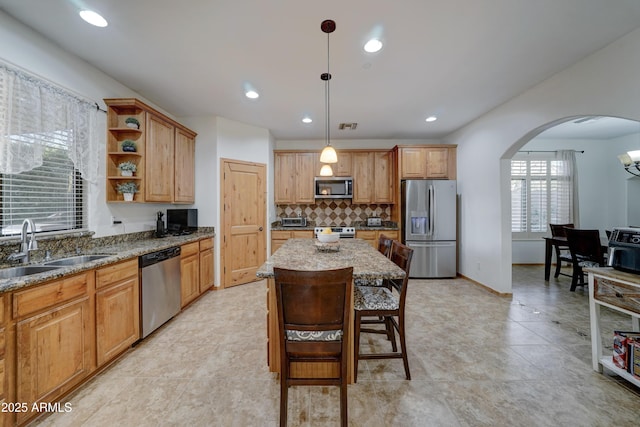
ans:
x=622 y=348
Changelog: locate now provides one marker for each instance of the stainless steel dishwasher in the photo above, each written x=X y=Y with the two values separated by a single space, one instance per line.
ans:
x=160 y=295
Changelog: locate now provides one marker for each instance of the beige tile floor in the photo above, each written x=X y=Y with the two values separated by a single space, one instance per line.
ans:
x=476 y=360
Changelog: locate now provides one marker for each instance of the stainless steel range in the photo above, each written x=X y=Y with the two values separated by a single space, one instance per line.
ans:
x=345 y=232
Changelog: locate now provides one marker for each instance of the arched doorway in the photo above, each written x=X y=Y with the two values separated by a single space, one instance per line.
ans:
x=605 y=190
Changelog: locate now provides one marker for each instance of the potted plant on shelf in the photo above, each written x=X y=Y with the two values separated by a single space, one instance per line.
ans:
x=127 y=189
x=127 y=168
x=128 y=145
x=132 y=123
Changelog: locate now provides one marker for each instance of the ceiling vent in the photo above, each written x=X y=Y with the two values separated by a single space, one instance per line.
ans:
x=343 y=126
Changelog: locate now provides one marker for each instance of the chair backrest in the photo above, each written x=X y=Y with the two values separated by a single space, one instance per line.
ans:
x=312 y=301
x=585 y=245
x=401 y=255
x=384 y=245
x=557 y=230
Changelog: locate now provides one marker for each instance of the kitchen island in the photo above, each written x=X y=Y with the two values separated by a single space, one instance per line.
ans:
x=303 y=254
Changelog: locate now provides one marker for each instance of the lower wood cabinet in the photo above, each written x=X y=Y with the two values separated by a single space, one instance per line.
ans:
x=206 y=264
x=117 y=309
x=279 y=237
x=54 y=340
x=189 y=273
x=372 y=236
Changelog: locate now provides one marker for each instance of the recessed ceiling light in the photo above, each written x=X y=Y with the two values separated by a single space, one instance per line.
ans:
x=306 y=120
x=93 y=18
x=252 y=94
x=373 y=46
x=431 y=119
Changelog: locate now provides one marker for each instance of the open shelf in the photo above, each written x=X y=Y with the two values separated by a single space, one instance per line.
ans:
x=607 y=362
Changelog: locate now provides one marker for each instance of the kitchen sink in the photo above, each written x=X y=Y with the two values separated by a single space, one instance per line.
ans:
x=74 y=260
x=7 y=273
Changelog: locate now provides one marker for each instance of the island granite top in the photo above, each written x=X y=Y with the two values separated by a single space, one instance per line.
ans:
x=303 y=254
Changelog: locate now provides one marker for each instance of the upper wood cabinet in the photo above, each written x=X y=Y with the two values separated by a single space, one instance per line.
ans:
x=294 y=173
x=159 y=160
x=305 y=173
x=342 y=168
x=165 y=155
x=373 y=176
x=427 y=162
x=184 y=186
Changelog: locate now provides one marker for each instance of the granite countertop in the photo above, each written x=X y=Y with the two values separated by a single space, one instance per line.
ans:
x=118 y=252
x=302 y=254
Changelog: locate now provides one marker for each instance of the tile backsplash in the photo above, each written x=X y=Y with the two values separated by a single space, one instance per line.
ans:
x=334 y=212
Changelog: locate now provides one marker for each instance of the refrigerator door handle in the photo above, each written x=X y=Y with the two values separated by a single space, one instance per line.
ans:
x=432 y=201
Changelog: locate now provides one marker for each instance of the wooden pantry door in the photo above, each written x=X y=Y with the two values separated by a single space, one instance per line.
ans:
x=243 y=221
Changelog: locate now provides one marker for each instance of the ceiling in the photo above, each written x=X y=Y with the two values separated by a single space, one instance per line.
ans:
x=456 y=59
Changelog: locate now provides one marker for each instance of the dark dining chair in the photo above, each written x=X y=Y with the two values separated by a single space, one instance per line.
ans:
x=313 y=308
x=586 y=251
x=387 y=305
x=562 y=251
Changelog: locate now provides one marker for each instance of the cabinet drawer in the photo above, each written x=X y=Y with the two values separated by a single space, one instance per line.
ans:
x=116 y=273
x=366 y=234
x=302 y=234
x=2 y=309
x=617 y=293
x=189 y=249
x=280 y=234
x=32 y=300
x=206 y=244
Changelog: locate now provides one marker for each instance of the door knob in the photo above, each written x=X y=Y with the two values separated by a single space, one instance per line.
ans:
x=260 y=229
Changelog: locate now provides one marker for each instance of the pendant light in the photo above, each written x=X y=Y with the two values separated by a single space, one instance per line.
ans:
x=328 y=154
x=326 y=170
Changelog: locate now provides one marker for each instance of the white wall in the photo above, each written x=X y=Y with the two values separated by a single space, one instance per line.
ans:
x=26 y=49
x=606 y=83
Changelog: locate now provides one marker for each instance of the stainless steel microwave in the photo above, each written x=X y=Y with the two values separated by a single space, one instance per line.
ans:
x=335 y=187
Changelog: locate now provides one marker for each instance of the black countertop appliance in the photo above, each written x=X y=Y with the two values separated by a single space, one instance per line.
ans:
x=182 y=221
x=624 y=249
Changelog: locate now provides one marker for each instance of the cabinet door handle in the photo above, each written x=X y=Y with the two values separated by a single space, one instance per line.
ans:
x=260 y=229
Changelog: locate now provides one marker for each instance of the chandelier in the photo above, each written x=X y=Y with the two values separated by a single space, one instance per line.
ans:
x=631 y=160
x=328 y=154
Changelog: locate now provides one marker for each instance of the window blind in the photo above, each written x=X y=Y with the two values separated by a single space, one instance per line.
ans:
x=51 y=194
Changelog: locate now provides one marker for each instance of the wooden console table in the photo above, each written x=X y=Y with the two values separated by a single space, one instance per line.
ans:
x=619 y=291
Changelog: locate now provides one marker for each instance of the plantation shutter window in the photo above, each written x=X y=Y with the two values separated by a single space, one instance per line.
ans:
x=543 y=191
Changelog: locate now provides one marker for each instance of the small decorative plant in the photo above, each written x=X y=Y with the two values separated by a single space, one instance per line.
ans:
x=127 y=187
x=127 y=168
x=132 y=122
x=128 y=145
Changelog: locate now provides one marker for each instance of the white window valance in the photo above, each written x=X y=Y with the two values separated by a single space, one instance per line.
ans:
x=31 y=111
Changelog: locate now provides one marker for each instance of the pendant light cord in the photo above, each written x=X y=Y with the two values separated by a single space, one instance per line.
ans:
x=328 y=97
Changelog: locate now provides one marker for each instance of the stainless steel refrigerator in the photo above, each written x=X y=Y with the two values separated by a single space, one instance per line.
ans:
x=429 y=226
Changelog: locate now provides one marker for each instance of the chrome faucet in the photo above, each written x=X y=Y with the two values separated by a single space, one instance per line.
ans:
x=25 y=247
